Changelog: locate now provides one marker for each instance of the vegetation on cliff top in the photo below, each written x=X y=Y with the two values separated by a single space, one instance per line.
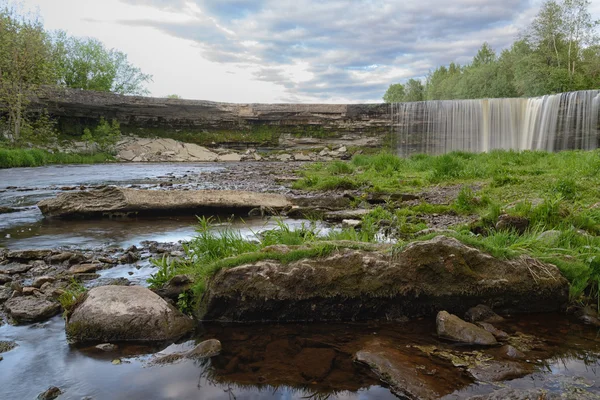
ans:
x=31 y=56
x=558 y=52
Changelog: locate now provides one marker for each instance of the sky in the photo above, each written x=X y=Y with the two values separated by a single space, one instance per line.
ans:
x=290 y=51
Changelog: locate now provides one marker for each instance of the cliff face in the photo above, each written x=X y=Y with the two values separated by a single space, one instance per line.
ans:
x=207 y=122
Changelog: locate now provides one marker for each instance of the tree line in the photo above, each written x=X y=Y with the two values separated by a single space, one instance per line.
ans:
x=558 y=52
x=31 y=57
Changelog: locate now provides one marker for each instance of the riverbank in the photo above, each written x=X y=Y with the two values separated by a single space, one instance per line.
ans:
x=459 y=238
x=18 y=157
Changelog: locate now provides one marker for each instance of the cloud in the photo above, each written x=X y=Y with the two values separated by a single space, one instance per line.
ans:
x=350 y=49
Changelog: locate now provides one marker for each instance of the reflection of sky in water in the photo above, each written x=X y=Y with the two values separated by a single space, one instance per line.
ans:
x=64 y=175
x=44 y=358
x=120 y=232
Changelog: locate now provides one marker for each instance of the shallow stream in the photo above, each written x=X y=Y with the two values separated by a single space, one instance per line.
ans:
x=269 y=361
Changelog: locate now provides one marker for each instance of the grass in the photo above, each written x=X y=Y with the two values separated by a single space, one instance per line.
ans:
x=553 y=191
x=214 y=249
x=11 y=158
x=73 y=295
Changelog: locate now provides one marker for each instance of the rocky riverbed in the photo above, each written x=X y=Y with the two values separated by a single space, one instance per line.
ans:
x=421 y=333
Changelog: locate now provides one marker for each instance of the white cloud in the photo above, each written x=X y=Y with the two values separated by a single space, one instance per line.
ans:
x=290 y=50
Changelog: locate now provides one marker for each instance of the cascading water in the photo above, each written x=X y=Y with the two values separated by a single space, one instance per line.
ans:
x=553 y=122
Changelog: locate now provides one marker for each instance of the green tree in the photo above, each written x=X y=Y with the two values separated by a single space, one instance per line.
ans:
x=394 y=94
x=415 y=91
x=25 y=63
x=85 y=63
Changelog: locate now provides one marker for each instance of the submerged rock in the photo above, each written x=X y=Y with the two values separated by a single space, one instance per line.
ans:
x=406 y=377
x=427 y=276
x=125 y=313
x=206 y=349
x=50 y=394
x=482 y=313
x=453 y=328
x=31 y=308
x=123 y=201
x=7 y=345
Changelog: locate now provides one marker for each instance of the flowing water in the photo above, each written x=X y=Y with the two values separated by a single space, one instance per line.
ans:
x=553 y=122
x=268 y=361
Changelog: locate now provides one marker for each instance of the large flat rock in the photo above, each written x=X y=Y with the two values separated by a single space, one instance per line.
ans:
x=426 y=277
x=115 y=201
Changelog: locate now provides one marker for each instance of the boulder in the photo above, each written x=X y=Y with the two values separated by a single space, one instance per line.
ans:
x=482 y=313
x=230 y=157
x=451 y=327
x=361 y=284
x=123 y=201
x=5 y=293
x=84 y=268
x=498 y=333
x=31 y=308
x=206 y=349
x=125 y=313
x=338 y=216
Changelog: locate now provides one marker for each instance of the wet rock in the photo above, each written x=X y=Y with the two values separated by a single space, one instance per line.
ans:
x=26 y=255
x=129 y=258
x=497 y=371
x=112 y=200
x=5 y=293
x=510 y=352
x=84 y=268
x=482 y=313
x=498 y=334
x=206 y=349
x=512 y=223
x=451 y=327
x=7 y=210
x=400 y=371
x=31 y=308
x=315 y=363
x=176 y=285
x=7 y=345
x=40 y=281
x=107 y=347
x=89 y=276
x=338 y=216
x=4 y=278
x=125 y=313
x=50 y=394
x=426 y=276
x=11 y=269
x=588 y=316
x=61 y=257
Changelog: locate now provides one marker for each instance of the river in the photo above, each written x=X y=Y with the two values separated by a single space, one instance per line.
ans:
x=284 y=361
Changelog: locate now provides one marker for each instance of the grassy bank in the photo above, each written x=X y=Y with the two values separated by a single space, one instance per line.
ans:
x=11 y=158
x=556 y=194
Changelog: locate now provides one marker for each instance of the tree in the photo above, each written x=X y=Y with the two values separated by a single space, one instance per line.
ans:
x=87 y=64
x=25 y=63
x=415 y=91
x=394 y=94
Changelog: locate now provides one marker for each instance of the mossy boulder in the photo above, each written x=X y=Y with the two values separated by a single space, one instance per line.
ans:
x=125 y=313
x=424 y=278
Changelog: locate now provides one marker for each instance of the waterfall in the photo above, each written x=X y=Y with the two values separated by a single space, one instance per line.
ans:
x=553 y=122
